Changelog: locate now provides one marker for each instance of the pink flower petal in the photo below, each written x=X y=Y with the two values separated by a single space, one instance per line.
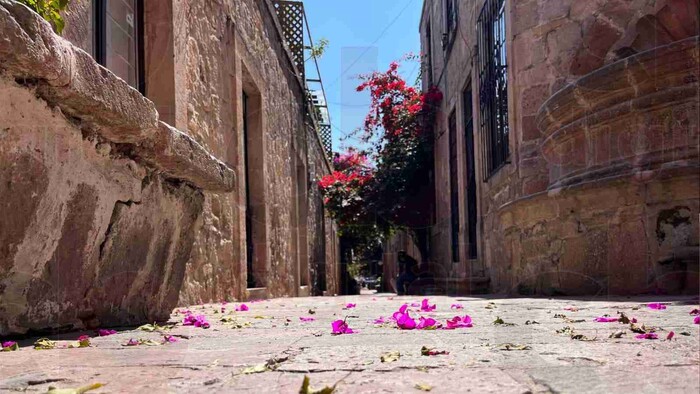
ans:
x=350 y=305
x=459 y=322
x=649 y=335
x=103 y=332
x=242 y=308
x=456 y=306
x=170 y=339
x=670 y=335
x=8 y=344
x=341 y=327
x=695 y=312
x=696 y=320
x=425 y=307
x=427 y=323
x=606 y=319
x=657 y=306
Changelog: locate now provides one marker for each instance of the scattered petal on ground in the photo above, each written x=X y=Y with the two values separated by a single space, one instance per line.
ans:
x=341 y=327
x=657 y=306
x=242 y=308
x=426 y=307
x=350 y=306
x=648 y=335
x=307 y=319
x=456 y=306
x=606 y=319
x=9 y=346
x=103 y=332
x=459 y=322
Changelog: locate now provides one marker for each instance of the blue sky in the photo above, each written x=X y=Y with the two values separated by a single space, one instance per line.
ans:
x=364 y=35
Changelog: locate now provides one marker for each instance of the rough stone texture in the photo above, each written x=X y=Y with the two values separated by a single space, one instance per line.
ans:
x=618 y=137
x=89 y=237
x=228 y=47
x=212 y=360
x=100 y=201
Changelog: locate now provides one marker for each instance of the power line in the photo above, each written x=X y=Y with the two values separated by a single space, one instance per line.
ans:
x=374 y=42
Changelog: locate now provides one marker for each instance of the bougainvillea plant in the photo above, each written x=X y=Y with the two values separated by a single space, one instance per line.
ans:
x=383 y=187
x=49 y=10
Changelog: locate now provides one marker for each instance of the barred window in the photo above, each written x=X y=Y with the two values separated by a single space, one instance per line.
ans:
x=493 y=86
x=450 y=16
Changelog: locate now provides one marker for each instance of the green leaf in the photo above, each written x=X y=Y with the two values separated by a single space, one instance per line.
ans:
x=390 y=357
x=44 y=344
x=80 y=390
x=154 y=327
x=500 y=322
x=258 y=368
x=423 y=387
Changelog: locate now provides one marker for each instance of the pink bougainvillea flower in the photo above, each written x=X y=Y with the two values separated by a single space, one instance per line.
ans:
x=197 y=321
x=670 y=335
x=403 y=318
x=428 y=324
x=9 y=346
x=459 y=322
x=381 y=320
x=169 y=339
x=132 y=342
x=571 y=309
x=648 y=335
x=307 y=319
x=341 y=327
x=657 y=306
x=103 y=332
x=425 y=307
x=350 y=306
x=606 y=319
x=695 y=312
x=634 y=320
x=415 y=305
x=696 y=320
x=456 y=306
x=242 y=308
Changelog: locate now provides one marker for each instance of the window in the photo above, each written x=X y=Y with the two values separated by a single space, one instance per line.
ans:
x=493 y=89
x=451 y=9
x=454 y=187
x=119 y=39
x=471 y=172
x=429 y=54
x=253 y=161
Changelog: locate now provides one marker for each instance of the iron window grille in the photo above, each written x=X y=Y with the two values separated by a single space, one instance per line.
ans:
x=451 y=12
x=493 y=86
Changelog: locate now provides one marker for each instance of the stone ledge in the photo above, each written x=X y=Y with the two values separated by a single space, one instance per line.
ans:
x=643 y=74
x=69 y=78
x=181 y=157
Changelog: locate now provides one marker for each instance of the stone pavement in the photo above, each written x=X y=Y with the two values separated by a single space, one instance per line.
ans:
x=216 y=359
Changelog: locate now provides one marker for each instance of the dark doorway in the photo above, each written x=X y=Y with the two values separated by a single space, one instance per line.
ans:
x=250 y=246
x=471 y=173
x=454 y=187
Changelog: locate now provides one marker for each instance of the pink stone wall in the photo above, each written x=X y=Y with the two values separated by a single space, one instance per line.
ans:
x=552 y=44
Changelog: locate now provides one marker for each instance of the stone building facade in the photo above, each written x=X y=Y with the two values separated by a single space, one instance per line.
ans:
x=146 y=181
x=566 y=154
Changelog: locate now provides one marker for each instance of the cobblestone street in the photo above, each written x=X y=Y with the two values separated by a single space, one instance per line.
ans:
x=270 y=349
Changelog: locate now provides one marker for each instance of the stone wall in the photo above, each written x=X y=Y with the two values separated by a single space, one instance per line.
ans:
x=199 y=58
x=99 y=200
x=625 y=171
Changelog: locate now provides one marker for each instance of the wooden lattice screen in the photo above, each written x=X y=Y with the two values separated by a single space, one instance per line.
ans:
x=325 y=133
x=291 y=17
x=292 y=20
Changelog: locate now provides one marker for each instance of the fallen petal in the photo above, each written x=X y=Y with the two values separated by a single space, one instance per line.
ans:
x=657 y=306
